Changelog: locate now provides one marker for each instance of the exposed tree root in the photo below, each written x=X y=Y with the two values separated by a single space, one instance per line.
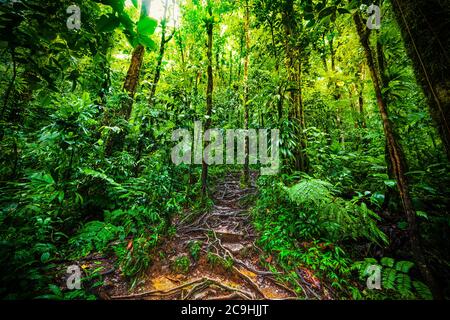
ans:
x=225 y=232
x=197 y=286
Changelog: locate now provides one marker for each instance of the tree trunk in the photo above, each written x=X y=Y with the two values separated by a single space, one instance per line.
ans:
x=105 y=69
x=132 y=80
x=162 y=49
x=426 y=33
x=391 y=195
x=117 y=140
x=179 y=41
x=209 y=92
x=398 y=163
x=231 y=69
x=246 y=90
x=293 y=66
x=304 y=164
x=146 y=123
x=336 y=94
x=362 y=116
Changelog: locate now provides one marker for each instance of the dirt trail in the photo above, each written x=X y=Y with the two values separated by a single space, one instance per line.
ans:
x=224 y=263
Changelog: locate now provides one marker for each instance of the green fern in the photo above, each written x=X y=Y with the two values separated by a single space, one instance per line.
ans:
x=310 y=191
x=423 y=291
x=396 y=283
x=404 y=285
x=404 y=266
x=387 y=262
x=332 y=218
x=94 y=235
x=389 y=277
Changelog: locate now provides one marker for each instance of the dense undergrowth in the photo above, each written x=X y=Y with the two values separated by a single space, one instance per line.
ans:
x=86 y=124
x=308 y=225
x=72 y=202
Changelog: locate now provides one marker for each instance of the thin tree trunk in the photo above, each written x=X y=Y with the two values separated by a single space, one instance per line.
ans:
x=324 y=54
x=147 y=121
x=132 y=79
x=280 y=102
x=361 y=109
x=294 y=69
x=179 y=41
x=246 y=91
x=106 y=70
x=274 y=47
x=337 y=94
x=301 y=117
x=398 y=162
x=117 y=140
x=162 y=49
x=209 y=92
x=362 y=116
x=231 y=69
x=391 y=195
x=241 y=48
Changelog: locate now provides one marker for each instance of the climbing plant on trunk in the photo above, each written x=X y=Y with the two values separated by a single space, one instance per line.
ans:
x=397 y=160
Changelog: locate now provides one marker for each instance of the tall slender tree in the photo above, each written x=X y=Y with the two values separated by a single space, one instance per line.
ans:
x=146 y=123
x=397 y=160
x=210 y=87
x=425 y=29
x=245 y=101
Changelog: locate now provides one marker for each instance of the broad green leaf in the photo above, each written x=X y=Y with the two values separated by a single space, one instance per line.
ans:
x=147 y=42
x=146 y=26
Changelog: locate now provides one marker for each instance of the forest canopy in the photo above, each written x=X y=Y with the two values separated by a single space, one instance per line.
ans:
x=280 y=149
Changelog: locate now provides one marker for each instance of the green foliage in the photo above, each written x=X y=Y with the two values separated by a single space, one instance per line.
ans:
x=228 y=263
x=181 y=264
x=212 y=259
x=95 y=235
x=133 y=221
x=302 y=223
x=66 y=191
x=310 y=210
x=134 y=262
x=396 y=281
x=195 y=248
x=57 y=294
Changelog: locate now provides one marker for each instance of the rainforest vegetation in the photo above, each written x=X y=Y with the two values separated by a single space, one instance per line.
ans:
x=93 y=207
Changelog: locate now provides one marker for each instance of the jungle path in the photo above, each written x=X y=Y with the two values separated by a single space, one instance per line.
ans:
x=214 y=256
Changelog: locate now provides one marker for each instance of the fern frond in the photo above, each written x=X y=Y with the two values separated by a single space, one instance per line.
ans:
x=404 y=266
x=423 y=291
